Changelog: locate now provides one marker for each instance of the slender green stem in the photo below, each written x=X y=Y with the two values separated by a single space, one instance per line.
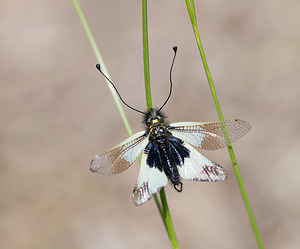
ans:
x=168 y=220
x=160 y=210
x=103 y=67
x=192 y=14
x=146 y=55
x=164 y=210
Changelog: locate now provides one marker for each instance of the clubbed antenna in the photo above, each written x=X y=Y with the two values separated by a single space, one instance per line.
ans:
x=175 y=52
x=99 y=68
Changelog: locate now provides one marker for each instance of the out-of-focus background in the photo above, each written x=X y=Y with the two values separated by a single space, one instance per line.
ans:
x=57 y=113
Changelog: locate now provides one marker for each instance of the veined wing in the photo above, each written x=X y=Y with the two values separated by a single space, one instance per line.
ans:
x=150 y=181
x=196 y=167
x=209 y=135
x=120 y=157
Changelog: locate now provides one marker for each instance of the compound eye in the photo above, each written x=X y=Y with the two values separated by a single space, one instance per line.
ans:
x=149 y=120
x=160 y=119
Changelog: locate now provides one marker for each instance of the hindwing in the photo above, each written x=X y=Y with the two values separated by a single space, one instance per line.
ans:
x=149 y=182
x=196 y=167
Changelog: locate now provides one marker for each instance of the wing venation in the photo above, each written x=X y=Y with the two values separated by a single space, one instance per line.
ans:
x=210 y=135
x=149 y=182
x=120 y=157
x=199 y=168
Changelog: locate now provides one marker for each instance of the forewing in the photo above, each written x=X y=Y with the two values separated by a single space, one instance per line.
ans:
x=120 y=157
x=210 y=135
x=149 y=182
x=196 y=167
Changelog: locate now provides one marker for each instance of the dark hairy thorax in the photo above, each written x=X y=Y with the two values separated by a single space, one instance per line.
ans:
x=165 y=152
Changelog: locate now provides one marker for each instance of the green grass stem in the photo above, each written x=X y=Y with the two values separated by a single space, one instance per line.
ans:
x=168 y=220
x=146 y=55
x=163 y=208
x=192 y=13
x=103 y=67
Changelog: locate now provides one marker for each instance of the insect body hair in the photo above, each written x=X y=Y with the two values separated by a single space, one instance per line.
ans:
x=154 y=114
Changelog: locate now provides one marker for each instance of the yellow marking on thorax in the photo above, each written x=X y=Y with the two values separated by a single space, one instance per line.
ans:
x=154 y=121
x=154 y=125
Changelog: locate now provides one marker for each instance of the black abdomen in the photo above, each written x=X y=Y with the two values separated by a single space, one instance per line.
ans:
x=168 y=161
x=166 y=154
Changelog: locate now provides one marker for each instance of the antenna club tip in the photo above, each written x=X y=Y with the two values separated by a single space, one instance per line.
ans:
x=175 y=48
x=98 y=67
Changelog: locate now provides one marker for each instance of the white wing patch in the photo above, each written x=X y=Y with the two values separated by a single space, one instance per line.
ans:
x=185 y=132
x=120 y=157
x=149 y=182
x=199 y=168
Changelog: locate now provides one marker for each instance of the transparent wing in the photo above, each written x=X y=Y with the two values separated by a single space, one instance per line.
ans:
x=120 y=157
x=150 y=181
x=209 y=135
x=196 y=167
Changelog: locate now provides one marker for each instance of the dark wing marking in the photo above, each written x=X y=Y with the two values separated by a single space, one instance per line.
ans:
x=120 y=157
x=150 y=181
x=196 y=167
x=209 y=135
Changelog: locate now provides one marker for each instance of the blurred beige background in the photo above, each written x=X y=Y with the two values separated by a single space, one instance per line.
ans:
x=57 y=113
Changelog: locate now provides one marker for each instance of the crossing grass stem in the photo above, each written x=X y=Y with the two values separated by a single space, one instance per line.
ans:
x=162 y=204
x=192 y=13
